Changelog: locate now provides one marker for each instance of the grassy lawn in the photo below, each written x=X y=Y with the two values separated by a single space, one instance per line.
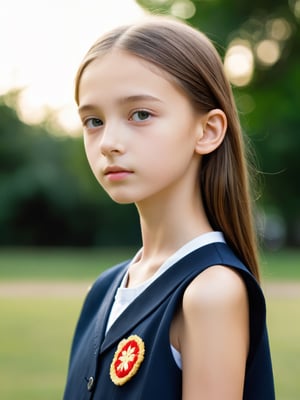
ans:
x=58 y=264
x=35 y=339
x=86 y=264
x=281 y=265
x=35 y=334
x=284 y=333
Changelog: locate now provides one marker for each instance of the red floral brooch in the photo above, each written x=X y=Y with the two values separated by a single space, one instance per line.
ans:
x=127 y=359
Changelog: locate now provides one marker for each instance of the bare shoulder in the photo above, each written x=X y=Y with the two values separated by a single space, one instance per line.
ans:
x=217 y=286
x=213 y=335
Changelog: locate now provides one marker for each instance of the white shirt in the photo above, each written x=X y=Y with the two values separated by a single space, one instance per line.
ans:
x=125 y=296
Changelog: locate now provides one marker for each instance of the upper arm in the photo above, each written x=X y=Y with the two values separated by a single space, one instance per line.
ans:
x=214 y=336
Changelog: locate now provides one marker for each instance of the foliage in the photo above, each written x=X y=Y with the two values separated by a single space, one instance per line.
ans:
x=48 y=195
x=269 y=103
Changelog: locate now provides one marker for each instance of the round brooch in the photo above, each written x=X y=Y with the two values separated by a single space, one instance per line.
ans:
x=127 y=359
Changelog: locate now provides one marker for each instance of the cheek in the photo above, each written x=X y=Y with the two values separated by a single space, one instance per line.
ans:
x=91 y=153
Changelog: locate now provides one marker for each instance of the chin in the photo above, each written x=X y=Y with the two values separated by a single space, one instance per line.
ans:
x=122 y=199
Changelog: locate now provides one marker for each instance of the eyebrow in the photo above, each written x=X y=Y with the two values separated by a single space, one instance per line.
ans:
x=138 y=97
x=122 y=100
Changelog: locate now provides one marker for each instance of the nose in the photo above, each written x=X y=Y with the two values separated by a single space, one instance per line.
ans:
x=111 y=140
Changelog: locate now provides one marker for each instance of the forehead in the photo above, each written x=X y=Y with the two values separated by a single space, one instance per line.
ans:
x=119 y=71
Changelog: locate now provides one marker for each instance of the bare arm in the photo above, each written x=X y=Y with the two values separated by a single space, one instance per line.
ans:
x=214 y=336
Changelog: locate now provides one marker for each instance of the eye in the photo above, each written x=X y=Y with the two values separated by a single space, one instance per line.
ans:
x=141 y=115
x=92 y=123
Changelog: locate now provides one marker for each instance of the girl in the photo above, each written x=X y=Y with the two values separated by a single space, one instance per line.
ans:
x=185 y=318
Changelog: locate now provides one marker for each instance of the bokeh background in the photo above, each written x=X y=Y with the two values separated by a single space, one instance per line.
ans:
x=59 y=230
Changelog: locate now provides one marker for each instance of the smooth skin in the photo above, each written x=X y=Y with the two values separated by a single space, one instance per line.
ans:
x=144 y=142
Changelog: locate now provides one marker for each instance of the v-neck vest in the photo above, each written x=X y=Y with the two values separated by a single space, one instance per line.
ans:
x=149 y=317
x=124 y=296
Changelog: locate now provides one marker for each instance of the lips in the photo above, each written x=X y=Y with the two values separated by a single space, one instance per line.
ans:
x=115 y=170
x=116 y=173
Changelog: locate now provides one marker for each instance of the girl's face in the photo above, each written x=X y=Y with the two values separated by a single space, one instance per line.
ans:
x=139 y=129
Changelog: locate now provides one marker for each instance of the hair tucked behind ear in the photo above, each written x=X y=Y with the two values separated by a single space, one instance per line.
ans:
x=192 y=62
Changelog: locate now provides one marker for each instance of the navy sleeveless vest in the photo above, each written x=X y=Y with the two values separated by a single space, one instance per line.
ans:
x=149 y=318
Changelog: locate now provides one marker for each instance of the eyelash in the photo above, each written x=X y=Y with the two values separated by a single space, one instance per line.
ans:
x=98 y=122
x=90 y=120
x=148 y=115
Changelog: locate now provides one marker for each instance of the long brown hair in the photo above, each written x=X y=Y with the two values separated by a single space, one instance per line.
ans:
x=191 y=60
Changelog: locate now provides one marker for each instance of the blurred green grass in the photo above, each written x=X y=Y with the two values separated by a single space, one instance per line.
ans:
x=85 y=264
x=58 y=264
x=36 y=332
x=284 y=334
x=281 y=265
x=35 y=338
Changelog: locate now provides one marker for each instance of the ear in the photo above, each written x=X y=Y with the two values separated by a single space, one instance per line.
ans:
x=212 y=132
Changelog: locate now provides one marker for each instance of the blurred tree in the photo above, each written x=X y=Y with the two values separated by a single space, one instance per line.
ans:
x=266 y=78
x=48 y=195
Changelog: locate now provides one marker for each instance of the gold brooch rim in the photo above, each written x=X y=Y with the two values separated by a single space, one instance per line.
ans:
x=117 y=380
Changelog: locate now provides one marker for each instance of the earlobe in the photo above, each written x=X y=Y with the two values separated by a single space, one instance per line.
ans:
x=213 y=129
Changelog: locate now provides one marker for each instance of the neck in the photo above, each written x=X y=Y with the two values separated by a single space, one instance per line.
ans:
x=169 y=219
x=168 y=225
